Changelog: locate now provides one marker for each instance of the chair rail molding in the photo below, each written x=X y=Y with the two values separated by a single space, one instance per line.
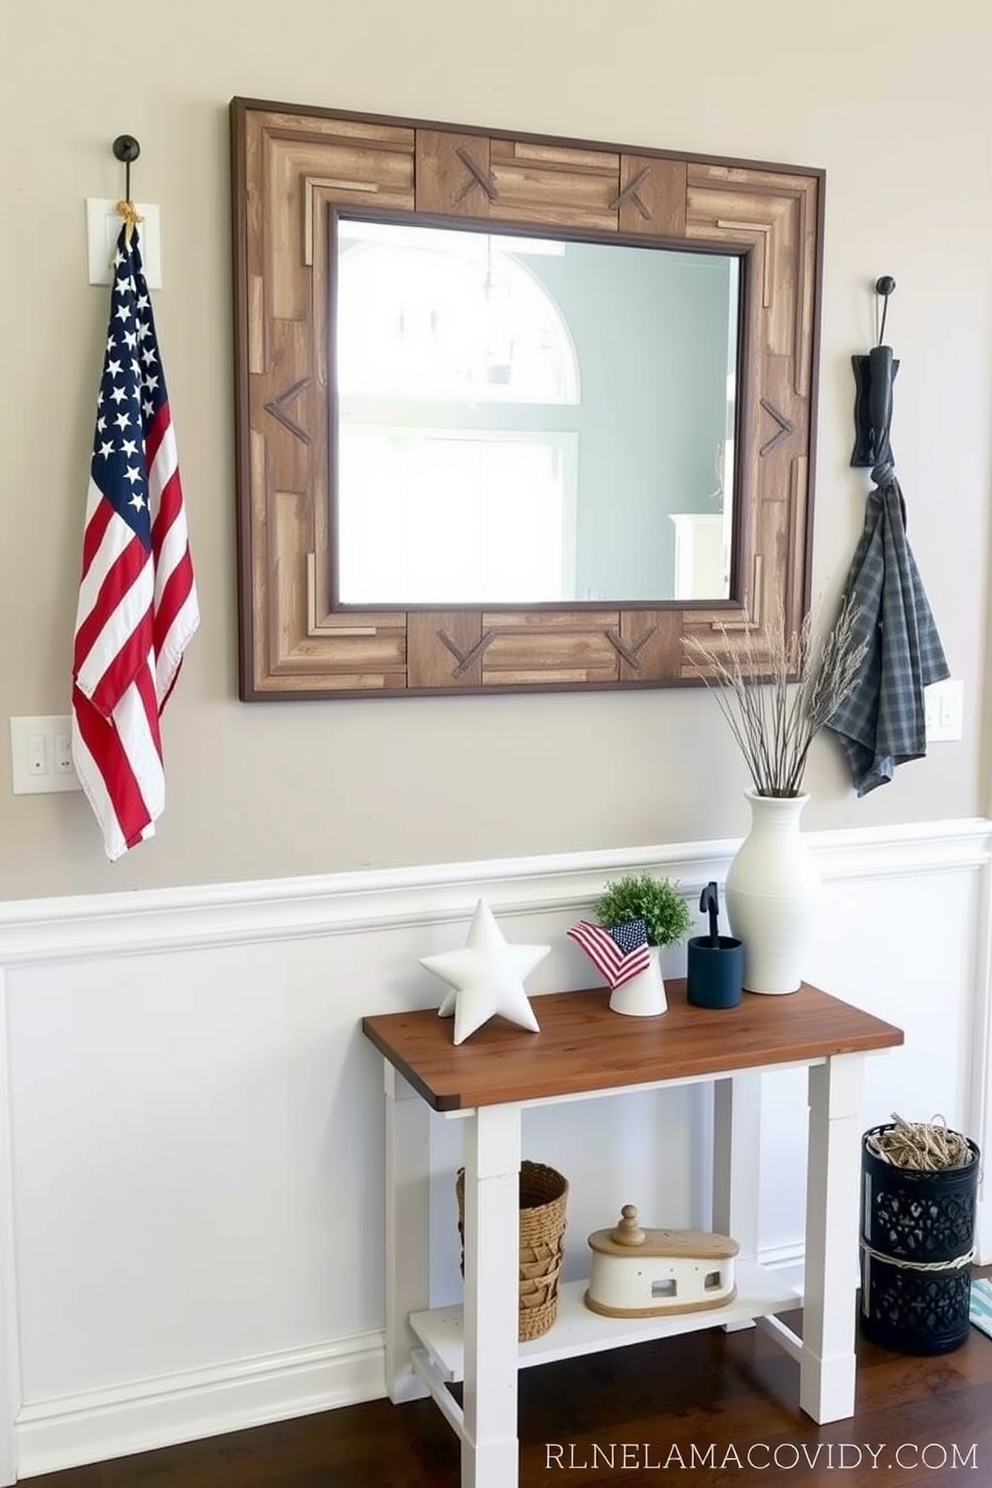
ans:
x=144 y=922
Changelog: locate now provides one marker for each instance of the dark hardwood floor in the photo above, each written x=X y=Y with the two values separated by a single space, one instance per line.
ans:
x=703 y=1409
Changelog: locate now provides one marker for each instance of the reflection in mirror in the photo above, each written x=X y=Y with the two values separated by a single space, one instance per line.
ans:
x=526 y=420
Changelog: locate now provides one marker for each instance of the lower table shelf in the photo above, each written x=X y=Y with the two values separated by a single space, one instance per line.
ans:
x=578 y=1331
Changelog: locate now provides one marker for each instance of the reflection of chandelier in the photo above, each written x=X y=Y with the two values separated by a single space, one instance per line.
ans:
x=497 y=330
x=461 y=319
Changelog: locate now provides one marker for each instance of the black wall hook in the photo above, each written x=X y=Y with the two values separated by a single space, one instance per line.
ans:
x=883 y=288
x=126 y=149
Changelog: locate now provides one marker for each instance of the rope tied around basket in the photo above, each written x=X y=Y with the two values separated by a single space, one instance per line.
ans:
x=956 y=1263
x=921 y=1146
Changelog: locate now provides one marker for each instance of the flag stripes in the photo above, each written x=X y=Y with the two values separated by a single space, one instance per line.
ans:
x=618 y=953
x=137 y=606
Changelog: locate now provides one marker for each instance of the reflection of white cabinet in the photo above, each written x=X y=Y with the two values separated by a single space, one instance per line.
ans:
x=702 y=555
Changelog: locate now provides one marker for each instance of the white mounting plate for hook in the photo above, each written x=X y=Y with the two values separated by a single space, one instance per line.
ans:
x=103 y=226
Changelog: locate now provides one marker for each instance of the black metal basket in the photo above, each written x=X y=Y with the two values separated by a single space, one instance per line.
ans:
x=917 y=1236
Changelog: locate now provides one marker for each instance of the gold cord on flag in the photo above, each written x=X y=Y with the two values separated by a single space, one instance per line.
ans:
x=132 y=217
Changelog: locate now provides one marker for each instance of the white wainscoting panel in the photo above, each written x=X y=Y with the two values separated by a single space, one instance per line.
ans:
x=10 y=1376
x=902 y=947
x=191 y=1129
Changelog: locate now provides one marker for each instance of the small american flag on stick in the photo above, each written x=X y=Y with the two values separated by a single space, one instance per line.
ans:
x=618 y=953
x=137 y=604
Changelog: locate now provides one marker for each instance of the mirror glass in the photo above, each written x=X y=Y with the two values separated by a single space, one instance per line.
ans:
x=527 y=420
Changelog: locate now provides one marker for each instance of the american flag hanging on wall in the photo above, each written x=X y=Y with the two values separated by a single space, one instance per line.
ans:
x=618 y=953
x=137 y=599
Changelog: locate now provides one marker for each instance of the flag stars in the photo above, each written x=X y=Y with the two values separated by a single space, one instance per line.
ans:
x=150 y=382
x=148 y=356
x=148 y=408
x=123 y=768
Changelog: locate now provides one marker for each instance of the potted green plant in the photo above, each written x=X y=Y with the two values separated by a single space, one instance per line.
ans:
x=665 y=914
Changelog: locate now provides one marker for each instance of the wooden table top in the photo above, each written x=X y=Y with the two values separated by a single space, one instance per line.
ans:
x=583 y=1046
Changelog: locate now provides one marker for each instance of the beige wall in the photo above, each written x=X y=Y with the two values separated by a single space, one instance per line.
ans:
x=892 y=99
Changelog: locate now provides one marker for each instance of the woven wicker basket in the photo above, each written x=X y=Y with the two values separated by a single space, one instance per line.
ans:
x=543 y=1196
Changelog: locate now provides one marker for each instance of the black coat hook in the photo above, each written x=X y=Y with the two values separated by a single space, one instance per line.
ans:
x=883 y=287
x=126 y=149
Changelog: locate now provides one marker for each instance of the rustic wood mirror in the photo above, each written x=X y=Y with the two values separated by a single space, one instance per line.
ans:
x=390 y=509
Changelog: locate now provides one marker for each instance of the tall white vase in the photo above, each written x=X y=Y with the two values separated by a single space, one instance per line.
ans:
x=771 y=895
x=643 y=996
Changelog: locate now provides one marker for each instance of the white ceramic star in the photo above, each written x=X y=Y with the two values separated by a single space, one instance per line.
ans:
x=487 y=977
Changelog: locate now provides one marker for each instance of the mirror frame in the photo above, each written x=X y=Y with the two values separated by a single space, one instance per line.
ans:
x=293 y=169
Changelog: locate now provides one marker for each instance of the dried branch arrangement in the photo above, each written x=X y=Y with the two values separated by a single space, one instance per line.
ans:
x=802 y=684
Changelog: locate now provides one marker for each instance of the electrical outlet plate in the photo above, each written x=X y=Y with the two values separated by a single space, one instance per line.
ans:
x=944 y=705
x=41 y=755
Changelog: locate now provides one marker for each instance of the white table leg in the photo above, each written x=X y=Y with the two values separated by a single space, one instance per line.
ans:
x=407 y=1229
x=828 y=1365
x=492 y=1248
x=736 y=1153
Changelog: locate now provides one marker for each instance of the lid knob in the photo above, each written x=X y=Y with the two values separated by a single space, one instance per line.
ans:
x=628 y=1231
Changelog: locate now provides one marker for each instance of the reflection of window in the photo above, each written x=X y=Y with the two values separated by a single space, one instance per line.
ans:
x=456 y=480
x=432 y=516
x=445 y=314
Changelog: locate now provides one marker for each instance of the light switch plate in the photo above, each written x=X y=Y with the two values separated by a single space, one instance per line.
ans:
x=41 y=755
x=103 y=228
x=944 y=705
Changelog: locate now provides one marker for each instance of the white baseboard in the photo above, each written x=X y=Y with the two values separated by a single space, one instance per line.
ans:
x=103 y=1424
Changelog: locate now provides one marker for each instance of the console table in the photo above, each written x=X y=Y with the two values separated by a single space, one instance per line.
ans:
x=582 y=1051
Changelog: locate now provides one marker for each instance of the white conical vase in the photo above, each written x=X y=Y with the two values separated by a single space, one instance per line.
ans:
x=644 y=995
x=771 y=895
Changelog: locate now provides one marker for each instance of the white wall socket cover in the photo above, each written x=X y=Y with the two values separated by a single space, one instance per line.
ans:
x=103 y=227
x=944 y=706
x=41 y=755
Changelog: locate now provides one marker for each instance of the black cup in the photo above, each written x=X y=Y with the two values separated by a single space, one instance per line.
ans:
x=715 y=973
